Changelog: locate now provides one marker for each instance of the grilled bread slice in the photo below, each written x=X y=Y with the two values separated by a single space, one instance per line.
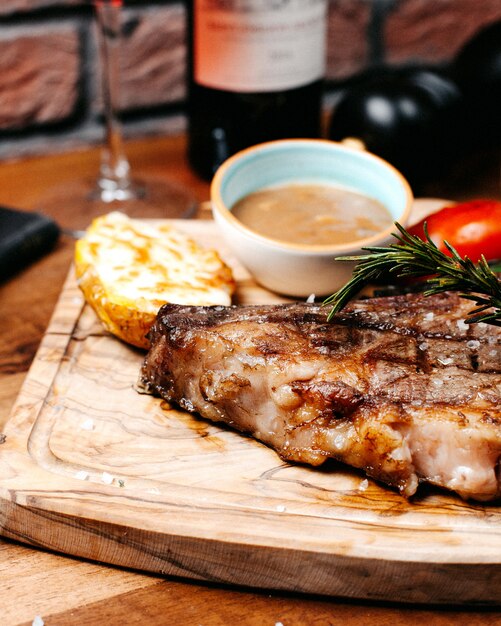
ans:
x=127 y=268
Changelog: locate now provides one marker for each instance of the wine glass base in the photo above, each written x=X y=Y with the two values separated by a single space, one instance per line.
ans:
x=153 y=197
x=114 y=193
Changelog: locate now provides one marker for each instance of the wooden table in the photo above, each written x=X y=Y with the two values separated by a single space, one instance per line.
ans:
x=64 y=590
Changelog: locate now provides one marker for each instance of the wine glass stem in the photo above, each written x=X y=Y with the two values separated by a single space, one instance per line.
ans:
x=114 y=177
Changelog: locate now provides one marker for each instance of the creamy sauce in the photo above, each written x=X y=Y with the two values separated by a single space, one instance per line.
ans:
x=312 y=214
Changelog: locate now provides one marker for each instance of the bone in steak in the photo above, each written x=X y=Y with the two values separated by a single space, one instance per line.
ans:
x=399 y=386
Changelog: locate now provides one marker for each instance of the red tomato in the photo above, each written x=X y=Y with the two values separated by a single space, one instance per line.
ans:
x=472 y=228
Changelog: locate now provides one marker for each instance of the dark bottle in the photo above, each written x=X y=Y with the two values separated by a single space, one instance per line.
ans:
x=256 y=71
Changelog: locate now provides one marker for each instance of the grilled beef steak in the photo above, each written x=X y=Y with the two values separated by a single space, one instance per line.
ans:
x=400 y=386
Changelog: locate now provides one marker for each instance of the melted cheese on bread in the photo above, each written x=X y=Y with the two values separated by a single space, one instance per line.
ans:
x=128 y=268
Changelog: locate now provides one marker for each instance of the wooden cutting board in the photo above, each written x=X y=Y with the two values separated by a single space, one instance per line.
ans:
x=89 y=467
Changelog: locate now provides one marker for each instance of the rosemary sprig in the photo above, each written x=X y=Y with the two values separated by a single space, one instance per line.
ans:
x=411 y=256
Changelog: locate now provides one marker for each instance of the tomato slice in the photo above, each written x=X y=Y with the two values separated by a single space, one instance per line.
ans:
x=473 y=228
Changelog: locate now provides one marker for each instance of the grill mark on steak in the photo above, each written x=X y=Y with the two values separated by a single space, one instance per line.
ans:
x=398 y=386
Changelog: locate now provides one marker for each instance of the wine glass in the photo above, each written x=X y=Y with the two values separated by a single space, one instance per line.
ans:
x=115 y=188
x=114 y=182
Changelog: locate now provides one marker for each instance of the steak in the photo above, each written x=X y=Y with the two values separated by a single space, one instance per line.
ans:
x=400 y=386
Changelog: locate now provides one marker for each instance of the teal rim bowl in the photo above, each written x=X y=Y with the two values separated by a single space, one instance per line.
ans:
x=314 y=161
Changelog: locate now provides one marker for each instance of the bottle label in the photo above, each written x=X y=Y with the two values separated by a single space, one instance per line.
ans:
x=259 y=45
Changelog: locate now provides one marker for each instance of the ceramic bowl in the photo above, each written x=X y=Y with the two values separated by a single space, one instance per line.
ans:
x=300 y=270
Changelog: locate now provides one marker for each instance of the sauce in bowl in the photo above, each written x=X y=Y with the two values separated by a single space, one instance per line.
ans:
x=312 y=214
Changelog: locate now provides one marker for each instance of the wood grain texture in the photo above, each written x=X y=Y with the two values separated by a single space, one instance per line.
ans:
x=170 y=598
x=192 y=499
x=65 y=590
x=72 y=583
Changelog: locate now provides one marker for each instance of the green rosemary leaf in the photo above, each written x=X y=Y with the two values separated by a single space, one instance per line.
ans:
x=411 y=256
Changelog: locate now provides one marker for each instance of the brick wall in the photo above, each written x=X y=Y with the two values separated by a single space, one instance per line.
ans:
x=49 y=76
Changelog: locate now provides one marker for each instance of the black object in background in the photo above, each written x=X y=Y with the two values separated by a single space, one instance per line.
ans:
x=477 y=71
x=222 y=121
x=24 y=237
x=408 y=117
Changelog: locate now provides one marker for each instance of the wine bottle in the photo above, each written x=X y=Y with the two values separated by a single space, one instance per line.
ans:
x=256 y=70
